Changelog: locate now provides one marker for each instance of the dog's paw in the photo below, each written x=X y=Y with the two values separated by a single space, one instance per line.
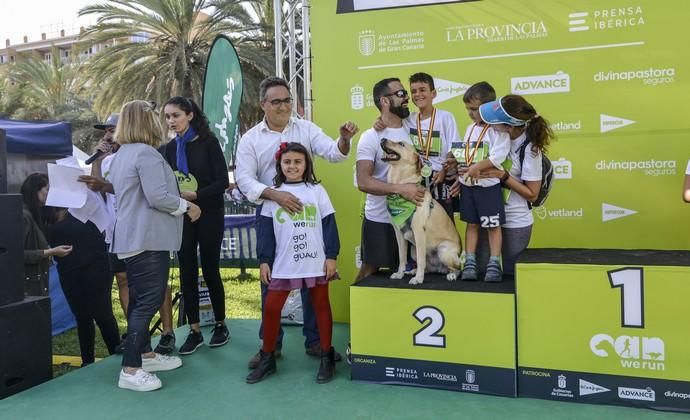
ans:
x=452 y=276
x=397 y=275
x=417 y=280
x=411 y=272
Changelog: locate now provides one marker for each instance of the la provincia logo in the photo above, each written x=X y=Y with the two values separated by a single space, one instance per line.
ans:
x=609 y=123
x=515 y=31
x=610 y=212
x=548 y=83
x=614 y=18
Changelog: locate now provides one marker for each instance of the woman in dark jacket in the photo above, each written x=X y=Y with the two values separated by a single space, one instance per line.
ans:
x=202 y=175
x=37 y=218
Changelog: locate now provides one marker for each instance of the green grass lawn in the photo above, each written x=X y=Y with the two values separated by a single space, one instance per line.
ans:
x=242 y=300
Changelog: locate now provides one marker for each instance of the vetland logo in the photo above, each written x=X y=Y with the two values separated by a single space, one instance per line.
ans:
x=610 y=212
x=609 y=123
x=497 y=33
x=651 y=76
x=565 y=126
x=548 y=83
x=562 y=213
x=651 y=167
x=633 y=352
x=588 y=388
x=646 y=394
x=562 y=168
x=606 y=19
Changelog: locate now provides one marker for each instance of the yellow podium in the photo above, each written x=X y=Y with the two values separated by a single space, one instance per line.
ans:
x=452 y=335
x=605 y=326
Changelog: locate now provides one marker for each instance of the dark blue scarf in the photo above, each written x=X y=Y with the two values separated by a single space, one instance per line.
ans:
x=182 y=148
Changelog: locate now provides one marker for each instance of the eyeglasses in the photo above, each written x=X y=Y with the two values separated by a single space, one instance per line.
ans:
x=278 y=102
x=402 y=93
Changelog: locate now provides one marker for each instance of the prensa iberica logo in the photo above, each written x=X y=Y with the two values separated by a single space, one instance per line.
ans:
x=629 y=17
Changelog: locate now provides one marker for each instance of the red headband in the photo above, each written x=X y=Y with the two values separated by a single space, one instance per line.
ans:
x=281 y=149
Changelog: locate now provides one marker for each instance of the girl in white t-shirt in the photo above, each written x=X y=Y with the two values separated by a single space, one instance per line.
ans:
x=295 y=251
x=512 y=114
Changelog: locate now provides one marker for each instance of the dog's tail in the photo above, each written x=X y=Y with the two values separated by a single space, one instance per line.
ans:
x=448 y=254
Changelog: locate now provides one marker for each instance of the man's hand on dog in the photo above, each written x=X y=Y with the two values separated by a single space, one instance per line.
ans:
x=288 y=201
x=265 y=273
x=412 y=192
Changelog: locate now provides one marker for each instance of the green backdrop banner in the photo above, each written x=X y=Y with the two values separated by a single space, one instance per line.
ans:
x=222 y=95
x=611 y=76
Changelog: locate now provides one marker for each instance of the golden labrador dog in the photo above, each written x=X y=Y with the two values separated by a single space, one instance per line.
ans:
x=427 y=226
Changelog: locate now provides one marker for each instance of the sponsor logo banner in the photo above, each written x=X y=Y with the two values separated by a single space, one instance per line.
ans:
x=610 y=212
x=646 y=394
x=515 y=31
x=649 y=76
x=369 y=42
x=548 y=83
x=562 y=168
x=617 y=18
x=589 y=388
x=610 y=123
x=561 y=213
x=651 y=167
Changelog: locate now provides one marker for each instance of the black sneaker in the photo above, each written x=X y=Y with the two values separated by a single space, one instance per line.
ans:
x=221 y=335
x=166 y=345
x=120 y=348
x=194 y=341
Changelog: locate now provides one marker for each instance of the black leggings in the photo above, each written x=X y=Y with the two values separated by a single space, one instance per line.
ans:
x=87 y=290
x=207 y=233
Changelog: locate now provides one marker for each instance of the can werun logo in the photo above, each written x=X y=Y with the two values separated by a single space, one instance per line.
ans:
x=589 y=388
x=614 y=18
x=516 y=31
x=609 y=123
x=562 y=168
x=548 y=83
x=649 y=76
x=633 y=352
x=367 y=42
x=646 y=394
x=610 y=212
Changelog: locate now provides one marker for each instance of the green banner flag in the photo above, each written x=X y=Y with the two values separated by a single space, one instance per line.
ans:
x=222 y=94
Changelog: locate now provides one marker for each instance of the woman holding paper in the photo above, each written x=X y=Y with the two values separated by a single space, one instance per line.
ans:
x=147 y=228
x=36 y=219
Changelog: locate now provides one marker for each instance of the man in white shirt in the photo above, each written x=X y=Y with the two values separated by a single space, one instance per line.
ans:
x=255 y=169
x=378 y=244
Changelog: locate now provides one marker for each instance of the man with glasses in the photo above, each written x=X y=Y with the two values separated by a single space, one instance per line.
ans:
x=378 y=244
x=255 y=170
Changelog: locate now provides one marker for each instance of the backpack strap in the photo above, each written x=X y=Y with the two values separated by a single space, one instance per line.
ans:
x=521 y=153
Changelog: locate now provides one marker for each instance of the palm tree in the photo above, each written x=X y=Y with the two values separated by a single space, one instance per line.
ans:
x=160 y=47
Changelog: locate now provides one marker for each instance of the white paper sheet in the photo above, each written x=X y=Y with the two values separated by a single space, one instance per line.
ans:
x=65 y=190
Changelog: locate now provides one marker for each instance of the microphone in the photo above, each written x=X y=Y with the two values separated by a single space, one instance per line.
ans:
x=94 y=157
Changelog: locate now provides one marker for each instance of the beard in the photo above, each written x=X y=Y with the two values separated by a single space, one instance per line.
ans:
x=400 y=111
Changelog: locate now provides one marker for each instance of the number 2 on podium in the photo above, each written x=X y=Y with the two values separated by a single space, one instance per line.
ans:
x=428 y=335
x=630 y=281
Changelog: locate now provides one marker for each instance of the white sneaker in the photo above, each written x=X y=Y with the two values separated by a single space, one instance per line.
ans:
x=160 y=362
x=139 y=381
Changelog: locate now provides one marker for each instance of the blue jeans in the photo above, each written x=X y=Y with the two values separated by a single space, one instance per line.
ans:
x=147 y=278
x=309 y=330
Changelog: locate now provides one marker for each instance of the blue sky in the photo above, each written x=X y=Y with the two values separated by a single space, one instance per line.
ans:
x=33 y=17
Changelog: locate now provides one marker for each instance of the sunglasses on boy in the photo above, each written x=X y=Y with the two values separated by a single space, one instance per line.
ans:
x=402 y=93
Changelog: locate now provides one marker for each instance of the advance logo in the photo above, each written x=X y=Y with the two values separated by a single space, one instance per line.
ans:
x=548 y=83
x=611 y=212
x=646 y=394
x=609 y=123
x=562 y=168
x=588 y=388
